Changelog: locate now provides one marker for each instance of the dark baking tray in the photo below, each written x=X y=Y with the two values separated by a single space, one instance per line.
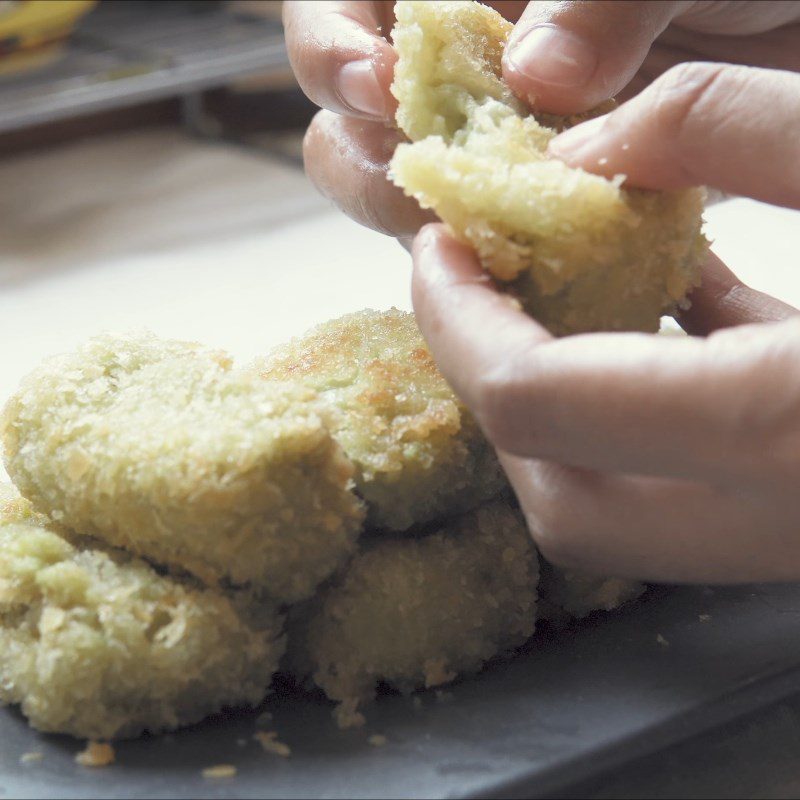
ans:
x=613 y=688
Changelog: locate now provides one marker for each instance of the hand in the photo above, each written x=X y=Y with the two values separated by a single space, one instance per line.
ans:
x=660 y=458
x=343 y=61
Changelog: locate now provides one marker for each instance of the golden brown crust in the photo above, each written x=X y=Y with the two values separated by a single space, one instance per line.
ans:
x=418 y=452
x=162 y=448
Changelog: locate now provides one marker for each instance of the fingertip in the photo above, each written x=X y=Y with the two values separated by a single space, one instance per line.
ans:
x=426 y=238
x=363 y=84
x=440 y=260
x=569 y=56
x=586 y=146
x=552 y=68
x=340 y=59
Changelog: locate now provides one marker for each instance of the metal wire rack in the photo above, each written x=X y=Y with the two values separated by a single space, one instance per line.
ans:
x=128 y=52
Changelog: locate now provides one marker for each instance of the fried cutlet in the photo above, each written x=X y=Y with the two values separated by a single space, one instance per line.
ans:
x=418 y=452
x=95 y=643
x=416 y=612
x=161 y=448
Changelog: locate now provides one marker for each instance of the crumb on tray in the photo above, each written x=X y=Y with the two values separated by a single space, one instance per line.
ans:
x=220 y=771
x=269 y=741
x=96 y=754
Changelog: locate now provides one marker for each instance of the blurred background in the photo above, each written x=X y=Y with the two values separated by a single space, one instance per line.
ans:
x=151 y=177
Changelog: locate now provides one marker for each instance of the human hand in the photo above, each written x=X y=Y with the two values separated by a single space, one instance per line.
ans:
x=659 y=458
x=343 y=60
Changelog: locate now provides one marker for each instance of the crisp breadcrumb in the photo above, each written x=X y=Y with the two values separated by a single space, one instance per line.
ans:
x=219 y=772
x=161 y=448
x=96 y=754
x=415 y=612
x=566 y=594
x=270 y=744
x=96 y=644
x=419 y=454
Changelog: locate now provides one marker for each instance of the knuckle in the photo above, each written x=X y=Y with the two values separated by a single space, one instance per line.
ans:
x=764 y=417
x=494 y=411
x=509 y=407
x=683 y=94
x=344 y=159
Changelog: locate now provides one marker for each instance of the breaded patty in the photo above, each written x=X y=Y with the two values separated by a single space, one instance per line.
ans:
x=161 y=448
x=418 y=452
x=96 y=644
x=581 y=252
x=418 y=611
x=574 y=595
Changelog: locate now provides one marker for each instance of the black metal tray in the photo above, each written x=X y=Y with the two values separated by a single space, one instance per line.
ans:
x=613 y=688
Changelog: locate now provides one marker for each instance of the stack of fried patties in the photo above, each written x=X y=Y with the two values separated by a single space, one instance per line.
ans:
x=179 y=526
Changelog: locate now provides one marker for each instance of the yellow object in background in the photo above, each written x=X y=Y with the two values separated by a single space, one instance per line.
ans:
x=27 y=24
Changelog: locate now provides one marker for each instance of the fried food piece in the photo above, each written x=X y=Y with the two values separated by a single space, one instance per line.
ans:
x=581 y=252
x=416 y=612
x=566 y=594
x=419 y=454
x=96 y=644
x=161 y=448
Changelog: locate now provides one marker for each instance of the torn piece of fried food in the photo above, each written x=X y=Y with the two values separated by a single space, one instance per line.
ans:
x=566 y=594
x=161 y=448
x=415 y=612
x=96 y=644
x=418 y=452
x=581 y=252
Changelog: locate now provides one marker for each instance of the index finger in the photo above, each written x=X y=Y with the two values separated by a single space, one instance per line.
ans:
x=340 y=55
x=699 y=409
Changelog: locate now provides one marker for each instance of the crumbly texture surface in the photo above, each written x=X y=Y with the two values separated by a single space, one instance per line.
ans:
x=96 y=644
x=161 y=448
x=416 y=612
x=581 y=252
x=418 y=453
x=566 y=594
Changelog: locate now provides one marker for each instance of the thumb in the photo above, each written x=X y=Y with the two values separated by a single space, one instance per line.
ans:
x=565 y=57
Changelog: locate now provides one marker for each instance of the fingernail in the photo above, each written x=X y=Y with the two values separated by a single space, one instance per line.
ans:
x=549 y=54
x=577 y=141
x=359 y=88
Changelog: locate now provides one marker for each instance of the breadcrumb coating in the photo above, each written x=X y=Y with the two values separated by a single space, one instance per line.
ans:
x=96 y=644
x=581 y=252
x=574 y=595
x=163 y=449
x=416 y=612
x=418 y=452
